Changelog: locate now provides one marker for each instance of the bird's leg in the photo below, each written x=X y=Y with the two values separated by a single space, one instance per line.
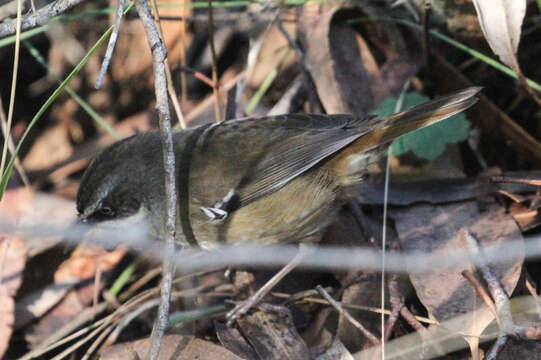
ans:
x=243 y=307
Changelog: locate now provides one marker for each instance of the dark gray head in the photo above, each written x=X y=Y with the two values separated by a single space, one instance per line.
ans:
x=115 y=185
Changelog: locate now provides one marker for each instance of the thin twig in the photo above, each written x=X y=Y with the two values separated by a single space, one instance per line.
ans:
x=510 y=180
x=149 y=275
x=65 y=335
x=524 y=82
x=412 y=319
x=497 y=347
x=216 y=88
x=335 y=304
x=11 y=146
x=397 y=303
x=97 y=342
x=159 y=55
x=170 y=87
x=13 y=85
x=81 y=342
x=377 y=310
x=40 y=17
x=501 y=299
x=533 y=292
x=7 y=242
x=421 y=330
x=480 y=290
x=198 y=75
x=203 y=105
x=243 y=307
x=230 y=18
x=111 y=44
x=427 y=8
x=182 y=39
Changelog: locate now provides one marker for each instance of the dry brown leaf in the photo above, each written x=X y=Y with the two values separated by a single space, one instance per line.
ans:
x=365 y=292
x=24 y=208
x=233 y=340
x=272 y=334
x=205 y=350
x=333 y=56
x=60 y=315
x=85 y=261
x=170 y=349
x=501 y=22
x=525 y=217
x=15 y=204
x=434 y=229
x=50 y=210
x=37 y=303
x=337 y=351
x=80 y=269
x=52 y=146
x=12 y=262
x=346 y=75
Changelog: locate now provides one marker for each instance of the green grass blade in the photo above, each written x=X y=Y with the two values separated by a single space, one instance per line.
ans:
x=488 y=60
x=24 y=35
x=267 y=82
x=191 y=315
x=86 y=106
x=123 y=278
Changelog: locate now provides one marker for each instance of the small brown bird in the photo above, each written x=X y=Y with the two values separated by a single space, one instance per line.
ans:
x=254 y=180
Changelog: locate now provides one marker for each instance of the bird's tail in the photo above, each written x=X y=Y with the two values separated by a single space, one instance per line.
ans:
x=352 y=162
x=388 y=128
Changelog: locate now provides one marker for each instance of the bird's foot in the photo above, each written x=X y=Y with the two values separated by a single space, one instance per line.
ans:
x=240 y=310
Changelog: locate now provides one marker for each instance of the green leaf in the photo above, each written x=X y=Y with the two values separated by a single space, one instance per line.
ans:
x=429 y=142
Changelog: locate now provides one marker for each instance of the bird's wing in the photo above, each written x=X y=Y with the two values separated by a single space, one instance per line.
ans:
x=256 y=157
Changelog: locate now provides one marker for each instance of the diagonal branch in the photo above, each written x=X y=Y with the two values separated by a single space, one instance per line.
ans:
x=40 y=17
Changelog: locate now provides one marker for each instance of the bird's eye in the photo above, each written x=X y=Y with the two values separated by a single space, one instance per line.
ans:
x=107 y=211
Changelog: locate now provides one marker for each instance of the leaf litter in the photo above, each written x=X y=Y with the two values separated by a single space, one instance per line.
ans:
x=344 y=58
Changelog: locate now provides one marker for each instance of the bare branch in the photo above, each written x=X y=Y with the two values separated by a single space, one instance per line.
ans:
x=40 y=17
x=112 y=42
x=170 y=88
x=159 y=54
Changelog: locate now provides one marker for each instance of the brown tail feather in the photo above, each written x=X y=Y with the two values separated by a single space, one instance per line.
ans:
x=384 y=130
x=427 y=114
x=389 y=128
